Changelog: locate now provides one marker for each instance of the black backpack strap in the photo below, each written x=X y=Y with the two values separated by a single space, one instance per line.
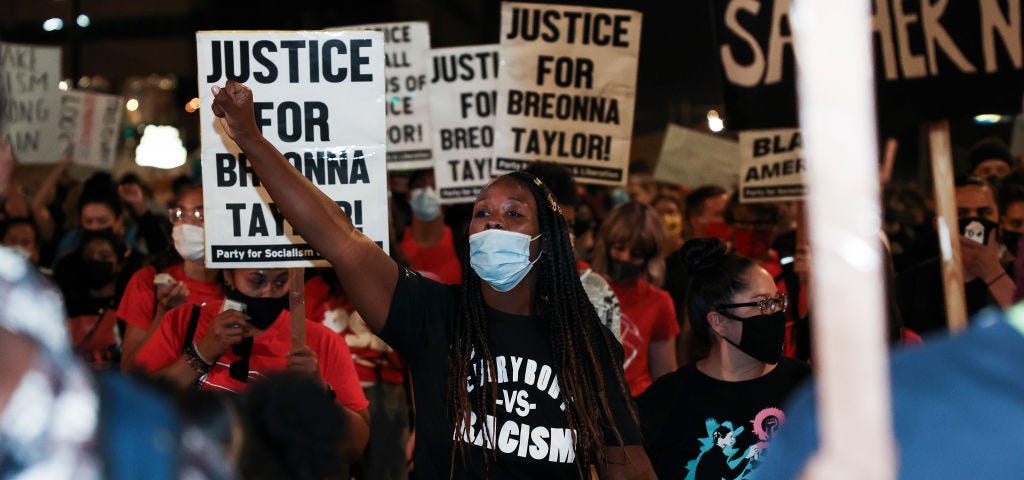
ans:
x=193 y=322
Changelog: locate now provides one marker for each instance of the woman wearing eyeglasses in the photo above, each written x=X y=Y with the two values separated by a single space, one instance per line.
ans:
x=738 y=388
x=178 y=276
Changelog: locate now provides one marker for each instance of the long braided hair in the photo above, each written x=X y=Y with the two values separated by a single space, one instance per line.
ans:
x=580 y=348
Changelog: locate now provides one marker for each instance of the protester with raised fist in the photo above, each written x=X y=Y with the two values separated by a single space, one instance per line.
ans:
x=512 y=371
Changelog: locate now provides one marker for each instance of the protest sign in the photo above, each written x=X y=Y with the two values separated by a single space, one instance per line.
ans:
x=407 y=57
x=463 y=97
x=90 y=124
x=932 y=61
x=318 y=99
x=567 y=89
x=30 y=101
x=693 y=158
x=772 y=166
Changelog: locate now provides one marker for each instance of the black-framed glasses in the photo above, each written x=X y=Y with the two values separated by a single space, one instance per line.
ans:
x=179 y=214
x=767 y=306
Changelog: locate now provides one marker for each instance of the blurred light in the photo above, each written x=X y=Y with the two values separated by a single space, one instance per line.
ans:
x=166 y=83
x=63 y=85
x=988 y=119
x=83 y=20
x=84 y=82
x=132 y=105
x=192 y=105
x=53 y=24
x=715 y=123
x=160 y=147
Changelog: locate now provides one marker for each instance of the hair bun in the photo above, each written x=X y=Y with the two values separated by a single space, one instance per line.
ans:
x=700 y=253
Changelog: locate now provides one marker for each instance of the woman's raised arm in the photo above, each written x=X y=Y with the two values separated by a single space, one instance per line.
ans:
x=367 y=273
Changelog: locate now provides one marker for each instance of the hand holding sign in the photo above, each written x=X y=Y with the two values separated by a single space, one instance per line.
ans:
x=232 y=104
x=304 y=360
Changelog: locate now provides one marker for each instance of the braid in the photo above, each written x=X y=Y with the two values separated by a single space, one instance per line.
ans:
x=580 y=347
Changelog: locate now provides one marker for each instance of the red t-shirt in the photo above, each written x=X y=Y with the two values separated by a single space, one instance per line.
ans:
x=372 y=364
x=93 y=338
x=268 y=353
x=439 y=259
x=138 y=304
x=648 y=315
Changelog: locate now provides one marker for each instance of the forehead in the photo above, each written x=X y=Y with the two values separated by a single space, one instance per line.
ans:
x=270 y=272
x=96 y=209
x=503 y=189
x=759 y=282
x=1016 y=209
x=974 y=196
x=192 y=198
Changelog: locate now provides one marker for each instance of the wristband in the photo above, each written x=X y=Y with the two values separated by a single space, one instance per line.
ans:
x=195 y=361
x=195 y=348
x=994 y=280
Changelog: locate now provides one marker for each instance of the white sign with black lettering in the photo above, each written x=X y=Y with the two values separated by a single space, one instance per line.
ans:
x=407 y=63
x=30 y=101
x=318 y=99
x=772 y=165
x=90 y=126
x=463 y=96
x=567 y=89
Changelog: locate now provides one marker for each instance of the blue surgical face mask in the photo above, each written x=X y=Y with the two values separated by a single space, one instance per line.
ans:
x=425 y=203
x=500 y=257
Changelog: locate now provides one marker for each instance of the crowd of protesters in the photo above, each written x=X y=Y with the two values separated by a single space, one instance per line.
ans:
x=704 y=301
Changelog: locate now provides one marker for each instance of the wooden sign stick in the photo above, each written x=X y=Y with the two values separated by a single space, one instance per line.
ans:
x=947 y=225
x=297 y=306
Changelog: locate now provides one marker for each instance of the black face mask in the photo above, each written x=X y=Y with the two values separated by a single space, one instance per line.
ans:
x=1011 y=240
x=762 y=337
x=97 y=273
x=620 y=271
x=977 y=228
x=261 y=311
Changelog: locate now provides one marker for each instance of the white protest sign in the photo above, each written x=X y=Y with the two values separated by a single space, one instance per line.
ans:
x=693 y=158
x=407 y=62
x=90 y=124
x=319 y=99
x=463 y=96
x=772 y=166
x=30 y=101
x=567 y=89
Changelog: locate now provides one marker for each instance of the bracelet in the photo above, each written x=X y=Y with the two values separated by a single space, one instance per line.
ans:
x=195 y=362
x=195 y=348
x=994 y=280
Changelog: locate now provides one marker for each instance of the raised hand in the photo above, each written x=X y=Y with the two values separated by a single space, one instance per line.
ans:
x=232 y=104
x=225 y=330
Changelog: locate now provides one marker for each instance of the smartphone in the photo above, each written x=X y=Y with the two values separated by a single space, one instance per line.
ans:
x=230 y=304
x=975 y=230
x=162 y=279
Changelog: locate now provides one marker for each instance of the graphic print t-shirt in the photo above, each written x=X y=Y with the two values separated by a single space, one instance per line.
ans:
x=529 y=435
x=697 y=427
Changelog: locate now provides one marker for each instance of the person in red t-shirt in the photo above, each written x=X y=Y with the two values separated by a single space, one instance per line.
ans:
x=629 y=252
x=220 y=348
x=427 y=243
x=146 y=300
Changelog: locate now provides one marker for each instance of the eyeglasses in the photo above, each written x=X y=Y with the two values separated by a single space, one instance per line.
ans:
x=178 y=215
x=767 y=305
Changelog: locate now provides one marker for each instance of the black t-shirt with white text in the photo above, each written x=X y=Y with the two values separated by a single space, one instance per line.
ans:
x=530 y=436
x=696 y=427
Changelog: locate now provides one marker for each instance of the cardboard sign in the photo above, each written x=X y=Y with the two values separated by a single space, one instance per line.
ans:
x=407 y=63
x=931 y=61
x=693 y=159
x=772 y=166
x=567 y=89
x=90 y=125
x=463 y=101
x=30 y=101
x=319 y=99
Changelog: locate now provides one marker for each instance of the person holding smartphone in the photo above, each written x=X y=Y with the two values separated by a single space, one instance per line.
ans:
x=919 y=291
